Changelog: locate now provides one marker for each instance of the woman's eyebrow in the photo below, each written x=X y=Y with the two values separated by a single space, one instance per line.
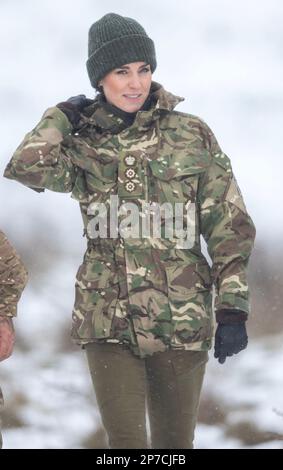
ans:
x=127 y=67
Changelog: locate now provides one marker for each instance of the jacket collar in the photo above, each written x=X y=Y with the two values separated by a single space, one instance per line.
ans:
x=163 y=101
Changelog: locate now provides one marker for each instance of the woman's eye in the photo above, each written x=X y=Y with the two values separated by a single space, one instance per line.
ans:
x=120 y=72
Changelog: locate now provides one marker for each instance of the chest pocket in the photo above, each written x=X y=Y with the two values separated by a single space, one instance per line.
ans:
x=175 y=179
x=99 y=165
x=177 y=175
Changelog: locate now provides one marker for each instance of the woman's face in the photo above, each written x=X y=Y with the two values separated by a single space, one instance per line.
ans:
x=127 y=87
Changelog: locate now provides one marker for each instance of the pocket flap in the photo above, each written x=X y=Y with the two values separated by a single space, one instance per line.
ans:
x=98 y=163
x=95 y=275
x=184 y=278
x=179 y=164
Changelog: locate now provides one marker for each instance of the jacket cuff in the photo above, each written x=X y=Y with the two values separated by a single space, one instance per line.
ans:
x=228 y=317
x=232 y=301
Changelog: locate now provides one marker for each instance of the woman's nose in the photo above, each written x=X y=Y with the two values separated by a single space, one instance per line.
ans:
x=135 y=82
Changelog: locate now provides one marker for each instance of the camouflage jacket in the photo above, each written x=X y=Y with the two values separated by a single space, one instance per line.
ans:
x=150 y=292
x=13 y=278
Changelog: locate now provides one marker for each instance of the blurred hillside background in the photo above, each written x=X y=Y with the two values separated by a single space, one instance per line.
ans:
x=226 y=59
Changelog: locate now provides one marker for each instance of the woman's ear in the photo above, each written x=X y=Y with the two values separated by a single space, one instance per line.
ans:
x=100 y=87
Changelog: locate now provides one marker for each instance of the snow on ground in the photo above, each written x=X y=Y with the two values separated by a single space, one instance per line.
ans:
x=51 y=394
x=57 y=410
x=248 y=385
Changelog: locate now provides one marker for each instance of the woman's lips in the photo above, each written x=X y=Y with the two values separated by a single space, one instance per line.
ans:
x=133 y=97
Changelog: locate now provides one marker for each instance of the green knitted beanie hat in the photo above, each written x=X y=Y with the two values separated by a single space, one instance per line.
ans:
x=114 y=41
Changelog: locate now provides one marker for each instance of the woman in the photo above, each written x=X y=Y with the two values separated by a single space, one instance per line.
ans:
x=13 y=278
x=143 y=307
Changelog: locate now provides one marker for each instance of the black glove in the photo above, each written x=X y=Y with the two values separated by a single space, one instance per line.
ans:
x=229 y=340
x=73 y=106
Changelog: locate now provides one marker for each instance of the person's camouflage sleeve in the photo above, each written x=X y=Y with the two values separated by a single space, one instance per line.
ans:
x=227 y=229
x=40 y=160
x=13 y=278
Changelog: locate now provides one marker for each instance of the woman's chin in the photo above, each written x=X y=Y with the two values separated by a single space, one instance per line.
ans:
x=131 y=108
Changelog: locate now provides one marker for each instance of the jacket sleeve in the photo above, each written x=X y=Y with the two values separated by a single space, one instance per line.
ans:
x=41 y=160
x=228 y=230
x=13 y=278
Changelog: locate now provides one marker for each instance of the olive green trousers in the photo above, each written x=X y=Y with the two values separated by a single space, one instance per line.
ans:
x=167 y=384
